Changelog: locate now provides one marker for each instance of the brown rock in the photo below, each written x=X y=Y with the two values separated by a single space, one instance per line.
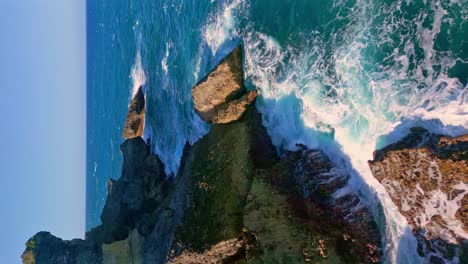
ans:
x=426 y=175
x=134 y=124
x=221 y=96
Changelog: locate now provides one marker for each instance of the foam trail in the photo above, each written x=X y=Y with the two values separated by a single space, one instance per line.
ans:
x=137 y=74
x=222 y=26
x=166 y=56
x=314 y=87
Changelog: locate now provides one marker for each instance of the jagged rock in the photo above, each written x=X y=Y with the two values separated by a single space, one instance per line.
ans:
x=220 y=184
x=221 y=96
x=139 y=211
x=251 y=186
x=324 y=187
x=44 y=248
x=135 y=121
x=426 y=175
x=230 y=180
x=228 y=251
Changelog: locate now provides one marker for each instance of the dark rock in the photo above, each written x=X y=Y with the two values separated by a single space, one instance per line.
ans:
x=234 y=200
x=44 y=248
x=250 y=186
x=323 y=189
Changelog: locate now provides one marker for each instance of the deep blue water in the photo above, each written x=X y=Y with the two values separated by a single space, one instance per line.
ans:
x=363 y=71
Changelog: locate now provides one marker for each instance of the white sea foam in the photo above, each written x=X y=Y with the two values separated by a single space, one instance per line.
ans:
x=301 y=101
x=221 y=25
x=166 y=56
x=137 y=74
x=440 y=204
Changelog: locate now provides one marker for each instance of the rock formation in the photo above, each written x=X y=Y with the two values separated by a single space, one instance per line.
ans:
x=426 y=175
x=135 y=121
x=234 y=199
x=240 y=184
x=221 y=97
x=46 y=248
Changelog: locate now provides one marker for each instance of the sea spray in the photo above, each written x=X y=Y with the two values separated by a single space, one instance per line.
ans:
x=360 y=72
x=137 y=74
x=345 y=76
x=173 y=64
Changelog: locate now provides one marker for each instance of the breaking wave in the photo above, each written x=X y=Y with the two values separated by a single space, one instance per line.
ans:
x=355 y=81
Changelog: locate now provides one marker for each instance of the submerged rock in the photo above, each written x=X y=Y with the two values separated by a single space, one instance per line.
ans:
x=426 y=175
x=221 y=96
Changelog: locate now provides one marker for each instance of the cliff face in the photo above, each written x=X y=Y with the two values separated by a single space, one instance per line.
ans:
x=426 y=176
x=242 y=188
x=139 y=217
x=46 y=248
x=234 y=200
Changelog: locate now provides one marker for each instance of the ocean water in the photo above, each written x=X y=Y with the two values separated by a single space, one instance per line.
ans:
x=347 y=76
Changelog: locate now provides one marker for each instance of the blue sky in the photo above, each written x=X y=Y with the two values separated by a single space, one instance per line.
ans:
x=43 y=128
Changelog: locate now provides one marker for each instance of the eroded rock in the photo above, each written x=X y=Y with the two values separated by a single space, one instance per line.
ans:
x=230 y=181
x=44 y=248
x=221 y=96
x=426 y=175
x=135 y=121
x=251 y=186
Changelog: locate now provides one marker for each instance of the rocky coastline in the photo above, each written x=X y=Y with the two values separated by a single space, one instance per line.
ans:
x=238 y=199
x=426 y=175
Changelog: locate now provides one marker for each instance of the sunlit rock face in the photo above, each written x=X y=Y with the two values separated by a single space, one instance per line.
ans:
x=134 y=123
x=426 y=176
x=221 y=96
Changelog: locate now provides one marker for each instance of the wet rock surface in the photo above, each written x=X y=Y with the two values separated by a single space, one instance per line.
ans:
x=426 y=175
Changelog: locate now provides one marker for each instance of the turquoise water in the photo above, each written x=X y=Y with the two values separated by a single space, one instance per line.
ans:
x=344 y=75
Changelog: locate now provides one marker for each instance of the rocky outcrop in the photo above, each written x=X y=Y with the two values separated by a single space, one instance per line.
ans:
x=221 y=96
x=135 y=121
x=235 y=199
x=426 y=175
x=324 y=185
x=138 y=219
x=46 y=248
x=239 y=182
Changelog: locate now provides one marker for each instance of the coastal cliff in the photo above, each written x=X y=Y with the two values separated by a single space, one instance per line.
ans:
x=426 y=175
x=235 y=199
